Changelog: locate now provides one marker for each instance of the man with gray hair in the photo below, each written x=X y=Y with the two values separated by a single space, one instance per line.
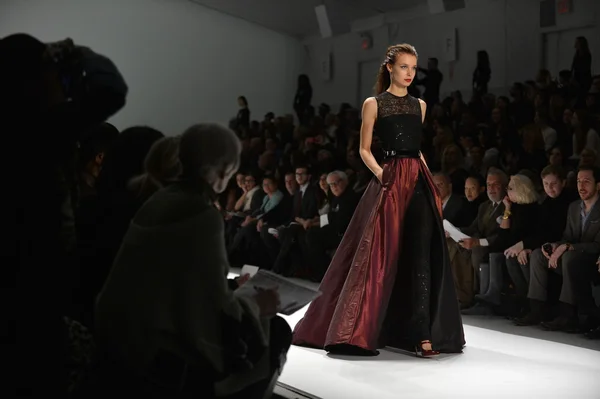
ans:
x=332 y=225
x=470 y=256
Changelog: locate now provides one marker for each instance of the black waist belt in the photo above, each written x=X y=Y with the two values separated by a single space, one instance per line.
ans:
x=401 y=154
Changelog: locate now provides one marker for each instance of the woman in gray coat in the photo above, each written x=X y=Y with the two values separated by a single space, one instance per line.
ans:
x=167 y=317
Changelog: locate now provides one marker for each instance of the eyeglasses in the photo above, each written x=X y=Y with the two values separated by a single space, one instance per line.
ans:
x=334 y=183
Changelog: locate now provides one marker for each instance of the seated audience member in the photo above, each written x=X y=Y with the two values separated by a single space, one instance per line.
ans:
x=323 y=198
x=326 y=237
x=92 y=149
x=477 y=167
x=468 y=255
x=521 y=210
x=247 y=239
x=249 y=202
x=282 y=244
x=452 y=166
x=451 y=203
x=117 y=205
x=167 y=322
x=573 y=257
x=233 y=192
x=475 y=196
x=161 y=168
x=549 y=227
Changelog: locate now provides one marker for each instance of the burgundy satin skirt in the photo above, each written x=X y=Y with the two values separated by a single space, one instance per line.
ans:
x=358 y=285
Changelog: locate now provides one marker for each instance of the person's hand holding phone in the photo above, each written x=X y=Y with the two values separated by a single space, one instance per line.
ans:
x=548 y=249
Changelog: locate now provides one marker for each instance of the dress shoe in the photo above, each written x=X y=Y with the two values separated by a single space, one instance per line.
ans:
x=561 y=323
x=480 y=309
x=531 y=319
x=593 y=334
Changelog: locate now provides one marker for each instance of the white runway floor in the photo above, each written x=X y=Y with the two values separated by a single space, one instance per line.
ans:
x=500 y=361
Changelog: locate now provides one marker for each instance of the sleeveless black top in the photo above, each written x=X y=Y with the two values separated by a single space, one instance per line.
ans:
x=399 y=125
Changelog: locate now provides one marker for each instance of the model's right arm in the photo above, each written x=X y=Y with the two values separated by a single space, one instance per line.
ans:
x=369 y=115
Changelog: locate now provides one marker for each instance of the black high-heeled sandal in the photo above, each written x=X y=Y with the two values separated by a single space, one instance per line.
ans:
x=425 y=353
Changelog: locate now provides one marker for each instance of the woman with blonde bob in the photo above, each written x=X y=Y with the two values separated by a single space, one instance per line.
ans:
x=161 y=168
x=518 y=221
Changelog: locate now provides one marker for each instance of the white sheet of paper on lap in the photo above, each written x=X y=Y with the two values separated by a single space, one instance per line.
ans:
x=324 y=220
x=454 y=233
x=292 y=296
x=249 y=269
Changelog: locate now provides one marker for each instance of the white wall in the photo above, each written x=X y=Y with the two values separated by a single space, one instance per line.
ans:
x=184 y=63
x=507 y=29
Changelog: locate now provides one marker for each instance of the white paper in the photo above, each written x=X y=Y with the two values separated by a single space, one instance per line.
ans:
x=292 y=296
x=249 y=269
x=324 y=220
x=454 y=233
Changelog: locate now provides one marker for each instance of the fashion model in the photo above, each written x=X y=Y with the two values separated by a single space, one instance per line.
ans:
x=390 y=282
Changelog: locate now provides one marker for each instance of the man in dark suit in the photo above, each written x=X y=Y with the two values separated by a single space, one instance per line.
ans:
x=452 y=204
x=468 y=255
x=574 y=258
x=327 y=237
x=304 y=209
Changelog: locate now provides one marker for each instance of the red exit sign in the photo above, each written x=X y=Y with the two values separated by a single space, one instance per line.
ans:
x=564 y=6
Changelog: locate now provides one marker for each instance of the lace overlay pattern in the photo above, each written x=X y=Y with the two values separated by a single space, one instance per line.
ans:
x=399 y=125
x=389 y=104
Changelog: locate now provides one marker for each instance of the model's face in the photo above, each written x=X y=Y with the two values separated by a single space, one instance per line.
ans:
x=404 y=70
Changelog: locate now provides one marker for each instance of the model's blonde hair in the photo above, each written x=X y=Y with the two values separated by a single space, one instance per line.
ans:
x=523 y=189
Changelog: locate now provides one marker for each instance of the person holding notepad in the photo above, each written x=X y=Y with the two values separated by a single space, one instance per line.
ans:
x=166 y=319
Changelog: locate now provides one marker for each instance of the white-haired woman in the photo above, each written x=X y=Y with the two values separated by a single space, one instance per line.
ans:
x=167 y=317
x=519 y=221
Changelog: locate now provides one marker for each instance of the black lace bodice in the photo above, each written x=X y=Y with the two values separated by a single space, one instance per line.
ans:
x=399 y=125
